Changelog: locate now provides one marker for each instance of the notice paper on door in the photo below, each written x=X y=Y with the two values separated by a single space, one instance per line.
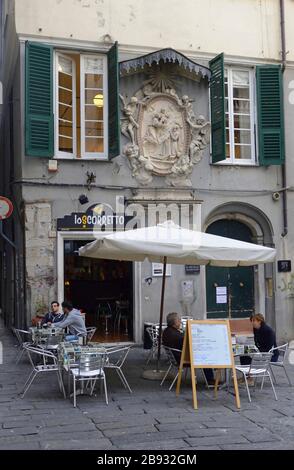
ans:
x=221 y=295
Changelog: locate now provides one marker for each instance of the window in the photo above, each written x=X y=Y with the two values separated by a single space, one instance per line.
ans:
x=71 y=103
x=80 y=106
x=239 y=114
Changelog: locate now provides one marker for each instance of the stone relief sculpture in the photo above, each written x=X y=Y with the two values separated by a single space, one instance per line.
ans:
x=165 y=137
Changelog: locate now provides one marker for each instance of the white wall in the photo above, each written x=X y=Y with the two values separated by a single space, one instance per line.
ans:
x=249 y=28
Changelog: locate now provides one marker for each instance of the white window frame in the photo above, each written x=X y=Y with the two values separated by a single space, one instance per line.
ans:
x=101 y=156
x=84 y=154
x=238 y=161
x=60 y=153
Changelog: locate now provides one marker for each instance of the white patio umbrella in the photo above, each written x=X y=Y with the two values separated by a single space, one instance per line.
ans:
x=169 y=243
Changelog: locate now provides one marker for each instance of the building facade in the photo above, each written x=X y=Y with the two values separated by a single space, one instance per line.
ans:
x=118 y=117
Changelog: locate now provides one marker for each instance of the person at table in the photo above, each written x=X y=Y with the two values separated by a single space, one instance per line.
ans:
x=264 y=336
x=54 y=316
x=74 y=320
x=172 y=337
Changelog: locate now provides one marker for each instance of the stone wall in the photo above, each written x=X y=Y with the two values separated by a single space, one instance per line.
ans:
x=40 y=243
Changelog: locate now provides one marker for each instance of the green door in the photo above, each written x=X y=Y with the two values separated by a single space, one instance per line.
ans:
x=230 y=291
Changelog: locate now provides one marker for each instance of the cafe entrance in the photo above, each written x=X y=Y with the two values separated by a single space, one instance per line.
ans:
x=102 y=289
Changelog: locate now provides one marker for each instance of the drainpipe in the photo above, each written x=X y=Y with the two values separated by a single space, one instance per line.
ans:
x=284 y=179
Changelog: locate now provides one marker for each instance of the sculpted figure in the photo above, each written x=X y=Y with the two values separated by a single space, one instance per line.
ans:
x=129 y=123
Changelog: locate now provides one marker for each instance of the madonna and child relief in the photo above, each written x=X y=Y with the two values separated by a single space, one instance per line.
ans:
x=165 y=137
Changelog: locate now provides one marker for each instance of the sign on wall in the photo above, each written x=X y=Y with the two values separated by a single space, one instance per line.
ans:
x=157 y=269
x=98 y=217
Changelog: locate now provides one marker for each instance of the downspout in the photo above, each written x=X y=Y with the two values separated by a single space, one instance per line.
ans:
x=284 y=179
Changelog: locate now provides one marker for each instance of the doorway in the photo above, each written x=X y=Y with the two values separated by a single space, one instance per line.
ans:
x=230 y=291
x=102 y=289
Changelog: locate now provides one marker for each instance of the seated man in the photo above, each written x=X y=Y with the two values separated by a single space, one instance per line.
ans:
x=74 y=320
x=55 y=315
x=174 y=338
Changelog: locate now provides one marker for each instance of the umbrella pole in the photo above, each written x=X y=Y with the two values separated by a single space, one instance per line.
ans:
x=161 y=310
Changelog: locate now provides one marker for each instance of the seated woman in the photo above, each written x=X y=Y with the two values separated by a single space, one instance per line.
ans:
x=264 y=338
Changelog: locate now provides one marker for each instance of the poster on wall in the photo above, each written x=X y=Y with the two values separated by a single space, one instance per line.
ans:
x=157 y=269
x=221 y=295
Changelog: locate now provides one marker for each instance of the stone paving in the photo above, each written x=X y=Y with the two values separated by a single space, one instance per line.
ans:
x=149 y=418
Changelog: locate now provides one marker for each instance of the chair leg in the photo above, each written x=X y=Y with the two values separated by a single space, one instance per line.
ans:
x=105 y=389
x=286 y=373
x=272 y=372
x=166 y=374
x=60 y=382
x=272 y=384
x=29 y=383
x=122 y=376
x=172 y=384
x=205 y=379
x=19 y=355
x=247 y=388
x=74 y=393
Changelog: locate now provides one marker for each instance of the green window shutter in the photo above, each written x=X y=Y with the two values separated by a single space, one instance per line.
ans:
x=270 y=113
x=113 y=103
x=217 y=109
x=39 y=134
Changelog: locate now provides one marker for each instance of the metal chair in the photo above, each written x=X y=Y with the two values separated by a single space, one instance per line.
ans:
x=284 y=356
x=19 y=334
x=91 y=330
x=259 y=368
x=38 y=369
x=173 y=364
x=104 y=313
x=153 y=332
x=90 y=369
x=122 y=314
x=116 y=357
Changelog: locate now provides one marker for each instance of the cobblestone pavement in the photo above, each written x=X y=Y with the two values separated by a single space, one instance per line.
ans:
x=149 y=418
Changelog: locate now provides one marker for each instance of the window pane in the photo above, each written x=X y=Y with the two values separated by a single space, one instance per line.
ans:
x=94 y=97
x=241 y=92
x=65 y=112
x=226 y=90
x=226 y=105
x=242 y=137
x=65 y=145
x=242 y=122
x=241 y=106
x=243 y=152
x=93 y=80
x=227 y=120
x=240 y=77
x=227 y=135
x=93 y=113
x=65 y=96
x=65 y=80
x=228 y=151
x=94 y=129
x=65 y=128
x=94 y=145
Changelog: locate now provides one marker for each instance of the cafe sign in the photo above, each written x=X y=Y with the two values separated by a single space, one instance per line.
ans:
x=98 y=217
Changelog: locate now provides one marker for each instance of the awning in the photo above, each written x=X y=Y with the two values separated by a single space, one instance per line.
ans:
x=167 y=55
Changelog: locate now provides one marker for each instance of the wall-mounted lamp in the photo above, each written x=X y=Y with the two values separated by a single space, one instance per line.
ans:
x=83 y=199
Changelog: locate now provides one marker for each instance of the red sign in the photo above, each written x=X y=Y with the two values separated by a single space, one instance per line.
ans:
x=6 y=208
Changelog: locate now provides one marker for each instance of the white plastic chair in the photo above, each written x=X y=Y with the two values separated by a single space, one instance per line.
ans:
x=284 y=356
x=44 y=368
x=116 y=357
x=90 y=369
x=259 y=368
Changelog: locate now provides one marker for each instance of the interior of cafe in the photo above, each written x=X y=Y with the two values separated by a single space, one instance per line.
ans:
x=102 y=290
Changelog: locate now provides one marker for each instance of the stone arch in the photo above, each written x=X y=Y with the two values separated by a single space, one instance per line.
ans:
x=249 y=215
x=262 y=233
